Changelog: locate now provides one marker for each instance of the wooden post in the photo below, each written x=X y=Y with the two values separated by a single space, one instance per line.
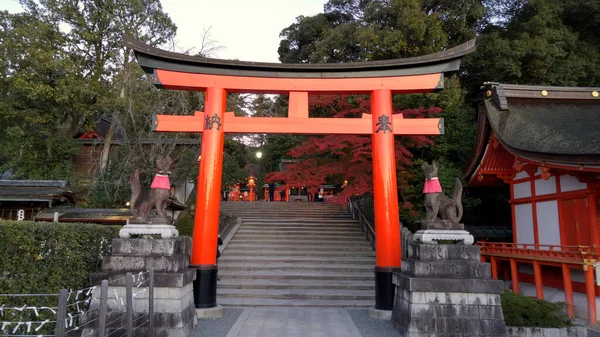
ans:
x=61 y=313
x=103 y=307
x=568 y=286
x=505 y=272
x=206 y=222
x=537 y=275
x=590 y=289
x=151 y=304
x=129 y=303
x=593 y=216
x=494 y=267
x=387 y=220
x=514 y=274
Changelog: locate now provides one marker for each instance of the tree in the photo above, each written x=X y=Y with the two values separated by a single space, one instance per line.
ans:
x=43 y=98
x=355 y=30
x=542 y=42
x=331 y=159
x=352 y=30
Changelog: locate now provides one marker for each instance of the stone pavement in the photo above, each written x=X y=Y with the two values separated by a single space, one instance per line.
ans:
x=294 y=322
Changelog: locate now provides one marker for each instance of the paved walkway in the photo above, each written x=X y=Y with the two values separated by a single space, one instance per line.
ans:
x=294 y=322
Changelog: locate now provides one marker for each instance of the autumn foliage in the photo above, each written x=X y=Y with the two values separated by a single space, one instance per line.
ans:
x=331 y=159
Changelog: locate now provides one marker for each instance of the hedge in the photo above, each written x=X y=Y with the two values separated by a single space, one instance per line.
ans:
x=39 y=257
x=530 y=312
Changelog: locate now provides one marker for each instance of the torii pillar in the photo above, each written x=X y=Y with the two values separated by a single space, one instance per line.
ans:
x=379 y=79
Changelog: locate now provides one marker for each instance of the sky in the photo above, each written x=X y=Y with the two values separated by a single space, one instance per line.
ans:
x=247 y=30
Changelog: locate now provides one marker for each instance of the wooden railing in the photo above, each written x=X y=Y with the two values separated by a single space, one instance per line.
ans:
x=549 y=253
x=566 y=257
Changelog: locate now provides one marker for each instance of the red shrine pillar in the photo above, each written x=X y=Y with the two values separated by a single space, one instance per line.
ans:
x=206 y=222
x=387 y=219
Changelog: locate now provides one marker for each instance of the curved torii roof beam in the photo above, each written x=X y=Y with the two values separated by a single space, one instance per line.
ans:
x=408 y=75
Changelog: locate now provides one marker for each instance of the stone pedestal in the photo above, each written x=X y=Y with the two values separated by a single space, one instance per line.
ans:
x=445 y=290
x=174 y=309
x=165 y=231
x=434 y=235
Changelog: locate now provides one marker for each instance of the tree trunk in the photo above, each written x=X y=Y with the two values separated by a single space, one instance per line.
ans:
x=107 y=144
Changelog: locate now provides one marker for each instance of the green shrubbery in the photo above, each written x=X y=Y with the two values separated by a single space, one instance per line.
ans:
x=38 y=257
x=528 y=311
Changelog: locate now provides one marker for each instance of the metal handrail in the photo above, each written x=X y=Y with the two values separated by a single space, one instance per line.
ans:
x=353 y=207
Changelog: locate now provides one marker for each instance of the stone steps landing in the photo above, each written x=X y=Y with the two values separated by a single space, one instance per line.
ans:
x=304 y=255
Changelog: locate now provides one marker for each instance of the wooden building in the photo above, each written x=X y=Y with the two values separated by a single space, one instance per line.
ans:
x=23 y=199
x=545 y=143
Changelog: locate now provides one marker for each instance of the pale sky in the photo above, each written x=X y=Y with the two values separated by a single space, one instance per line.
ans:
x=247 y=29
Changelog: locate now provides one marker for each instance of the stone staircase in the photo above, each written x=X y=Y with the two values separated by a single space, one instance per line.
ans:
x=295 y=254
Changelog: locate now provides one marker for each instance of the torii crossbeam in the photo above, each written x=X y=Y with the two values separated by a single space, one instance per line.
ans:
x=380 y=79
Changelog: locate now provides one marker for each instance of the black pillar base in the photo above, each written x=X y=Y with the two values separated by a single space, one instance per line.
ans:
x=205 y=286
x=384 y=288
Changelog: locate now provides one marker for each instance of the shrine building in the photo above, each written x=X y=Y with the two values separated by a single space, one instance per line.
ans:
x=545 y=143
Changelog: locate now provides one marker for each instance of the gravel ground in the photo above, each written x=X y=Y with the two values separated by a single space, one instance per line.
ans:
x=218 y=327
x=370 y=327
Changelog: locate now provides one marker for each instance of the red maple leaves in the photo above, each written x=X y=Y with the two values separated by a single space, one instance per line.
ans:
x=333 y=159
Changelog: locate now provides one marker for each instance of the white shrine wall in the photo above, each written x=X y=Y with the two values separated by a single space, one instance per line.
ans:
x=535 y=206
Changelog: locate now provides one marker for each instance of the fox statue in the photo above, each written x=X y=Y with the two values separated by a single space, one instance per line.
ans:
x=141 y=202
x=437 y=204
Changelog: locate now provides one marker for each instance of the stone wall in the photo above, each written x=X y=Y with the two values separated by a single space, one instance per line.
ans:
x=445 y=290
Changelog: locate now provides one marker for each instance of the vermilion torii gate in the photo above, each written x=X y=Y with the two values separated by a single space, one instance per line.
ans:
x=380 y=79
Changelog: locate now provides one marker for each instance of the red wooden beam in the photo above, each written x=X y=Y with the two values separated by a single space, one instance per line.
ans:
x=268 y=85
x=361 y=126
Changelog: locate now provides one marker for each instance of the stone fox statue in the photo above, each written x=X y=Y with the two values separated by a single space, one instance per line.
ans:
x=436 y=202
x=141 y=202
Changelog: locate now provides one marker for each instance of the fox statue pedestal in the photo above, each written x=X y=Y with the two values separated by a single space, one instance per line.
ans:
x=445 y=290
x=151 y=226
x=174 y=309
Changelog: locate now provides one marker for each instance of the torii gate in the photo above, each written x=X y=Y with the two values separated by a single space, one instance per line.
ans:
x=380 y=79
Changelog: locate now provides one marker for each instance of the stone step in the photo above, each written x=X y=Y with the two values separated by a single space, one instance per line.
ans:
x=293 y=266
x=296 y=274
x=368 y=260
x=296 y=217
x=254 y=229
x=303 y=226
x=331 y=222
x=241 y=245
x=273 y=302
x=305 y=236
x=234 y=251
x=299 y=294
x=346 y=242
x=261 y=203
x=324 y=229
x=286 y=214
x=294 y=284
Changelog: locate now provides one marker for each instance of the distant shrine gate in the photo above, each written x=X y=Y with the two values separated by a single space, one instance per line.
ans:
x=380 y=79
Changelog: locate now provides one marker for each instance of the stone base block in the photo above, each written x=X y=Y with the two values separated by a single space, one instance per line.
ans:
x=384 y=315
x=441 y=224
x=151 y=220
x=214 y=312
x=152 y=247
x=165 y=231
x=444 y=290
x=449 y=314
x=167 y=280
x=429 y=236
x=435 y=252
x=447 y=269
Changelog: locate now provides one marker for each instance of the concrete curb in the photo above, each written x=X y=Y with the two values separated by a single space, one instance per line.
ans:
x=384 y=315
x=214 y=312
x=238 y=223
